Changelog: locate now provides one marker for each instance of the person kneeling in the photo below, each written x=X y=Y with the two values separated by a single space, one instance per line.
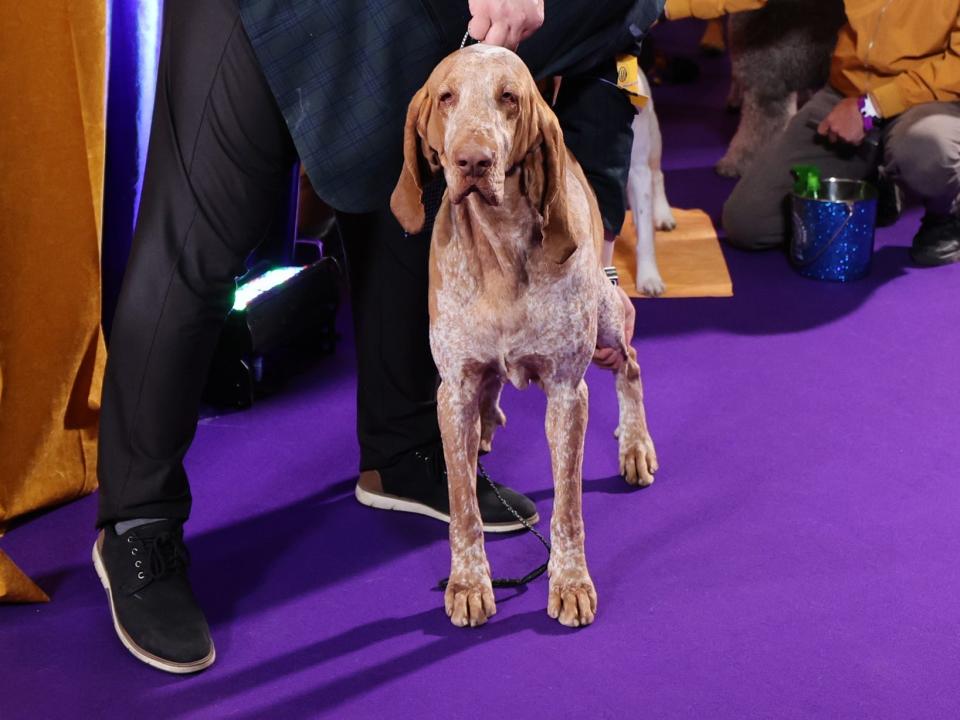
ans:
x=895 y=72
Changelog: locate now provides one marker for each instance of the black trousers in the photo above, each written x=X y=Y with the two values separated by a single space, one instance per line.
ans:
x=219 y=163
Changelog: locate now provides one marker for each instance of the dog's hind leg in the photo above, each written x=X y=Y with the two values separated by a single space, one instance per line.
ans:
x=468 y=598
x=638 y=457
x=662 y=212
x=491 y=416
x=572 y=599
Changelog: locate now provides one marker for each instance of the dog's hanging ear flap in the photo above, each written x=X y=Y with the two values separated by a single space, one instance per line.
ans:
x=558 y=241
x=406 y=202
x=533 y=179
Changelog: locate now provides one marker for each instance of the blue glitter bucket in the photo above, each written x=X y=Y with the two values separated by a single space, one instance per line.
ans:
x=833 y=231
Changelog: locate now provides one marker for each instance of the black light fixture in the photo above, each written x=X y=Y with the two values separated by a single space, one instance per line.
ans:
x=274 y=309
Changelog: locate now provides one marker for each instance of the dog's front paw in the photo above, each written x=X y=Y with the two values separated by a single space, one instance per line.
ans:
x=573 y=599
x=469 y=600
x=651 y=285
x=638 y=457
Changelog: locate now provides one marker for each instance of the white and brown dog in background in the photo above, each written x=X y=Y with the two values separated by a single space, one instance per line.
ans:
x=517 y=293
x=646 y=195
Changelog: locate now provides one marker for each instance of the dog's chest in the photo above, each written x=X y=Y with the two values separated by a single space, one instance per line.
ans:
x=524 y=323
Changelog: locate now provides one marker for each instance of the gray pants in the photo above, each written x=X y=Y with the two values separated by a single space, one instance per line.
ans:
x=921 y=151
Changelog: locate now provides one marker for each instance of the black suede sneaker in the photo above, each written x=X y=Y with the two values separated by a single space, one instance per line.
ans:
x=418 y=484
x=154 y=611
x=938 y=242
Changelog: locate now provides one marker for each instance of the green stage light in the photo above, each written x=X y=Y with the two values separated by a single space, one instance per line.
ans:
x=281 y=313
x=249 y=291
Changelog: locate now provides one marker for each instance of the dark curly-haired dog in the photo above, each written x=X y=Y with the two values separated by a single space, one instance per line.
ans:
x=777 y=53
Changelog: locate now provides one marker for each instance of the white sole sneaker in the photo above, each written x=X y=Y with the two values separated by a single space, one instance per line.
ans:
x=137 y=651
x=383 y=501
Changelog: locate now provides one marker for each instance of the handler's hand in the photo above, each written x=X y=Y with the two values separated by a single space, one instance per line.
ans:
x=709 y=9
x=611 y=358
x=844 y=123
x=504 y=22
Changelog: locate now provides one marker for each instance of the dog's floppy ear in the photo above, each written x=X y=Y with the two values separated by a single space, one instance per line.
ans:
x=544 y=181
x=406 y=202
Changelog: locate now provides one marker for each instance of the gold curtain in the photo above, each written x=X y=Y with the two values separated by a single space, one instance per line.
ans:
x=52 y=121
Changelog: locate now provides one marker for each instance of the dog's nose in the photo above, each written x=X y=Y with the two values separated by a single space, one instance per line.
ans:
x=474 y=160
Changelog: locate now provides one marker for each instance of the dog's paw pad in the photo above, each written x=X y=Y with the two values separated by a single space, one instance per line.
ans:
x=572 y=603
x=469 y=603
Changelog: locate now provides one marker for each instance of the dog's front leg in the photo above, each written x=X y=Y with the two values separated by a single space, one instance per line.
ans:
x=640 y=189
x=573 y=599
x=468 y=599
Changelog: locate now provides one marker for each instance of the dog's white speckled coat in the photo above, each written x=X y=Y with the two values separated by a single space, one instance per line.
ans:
x=516 y=294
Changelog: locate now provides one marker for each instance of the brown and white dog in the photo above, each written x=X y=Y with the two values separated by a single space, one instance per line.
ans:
x=517 y=294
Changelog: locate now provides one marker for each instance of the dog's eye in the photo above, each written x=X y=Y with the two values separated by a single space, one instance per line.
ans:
x=508 y=97
x=446 y=97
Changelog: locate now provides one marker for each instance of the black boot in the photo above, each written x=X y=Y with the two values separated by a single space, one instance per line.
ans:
x=418 y=484
x=154 y=611
x=938 y=242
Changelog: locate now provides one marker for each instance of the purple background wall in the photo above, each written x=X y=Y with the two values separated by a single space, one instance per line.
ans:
x=131 y=83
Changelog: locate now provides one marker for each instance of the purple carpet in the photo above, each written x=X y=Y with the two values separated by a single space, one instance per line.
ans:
x=797 y=556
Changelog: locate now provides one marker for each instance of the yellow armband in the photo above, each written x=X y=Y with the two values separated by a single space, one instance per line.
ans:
x=628 y=80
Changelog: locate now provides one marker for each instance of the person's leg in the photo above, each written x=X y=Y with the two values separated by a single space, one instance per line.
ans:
x=219 y=162
x=755 y=215
x=597 y=121
x=396 y=378
x=922 y=151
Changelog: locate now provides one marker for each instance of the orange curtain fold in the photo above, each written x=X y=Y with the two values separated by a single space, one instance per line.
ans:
x=52 y=141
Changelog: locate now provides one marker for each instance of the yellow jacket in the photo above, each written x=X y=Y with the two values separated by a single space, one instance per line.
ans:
x=902 y=52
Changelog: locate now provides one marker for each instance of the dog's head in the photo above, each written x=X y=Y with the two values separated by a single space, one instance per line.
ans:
x=479 y=119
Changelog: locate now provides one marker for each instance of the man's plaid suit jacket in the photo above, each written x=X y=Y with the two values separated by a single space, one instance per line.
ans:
x=343 y=71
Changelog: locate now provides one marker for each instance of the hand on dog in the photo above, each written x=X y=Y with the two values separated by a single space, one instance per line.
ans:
x=611 y=358
x=504 y=22
x=844 y=123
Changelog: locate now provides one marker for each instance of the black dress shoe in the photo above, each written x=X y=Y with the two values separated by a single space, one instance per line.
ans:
x=418 y=484
x=154 y=611
x=938 y=242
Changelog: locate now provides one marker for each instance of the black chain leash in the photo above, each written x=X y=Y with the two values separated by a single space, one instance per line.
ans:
x=533 y=574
